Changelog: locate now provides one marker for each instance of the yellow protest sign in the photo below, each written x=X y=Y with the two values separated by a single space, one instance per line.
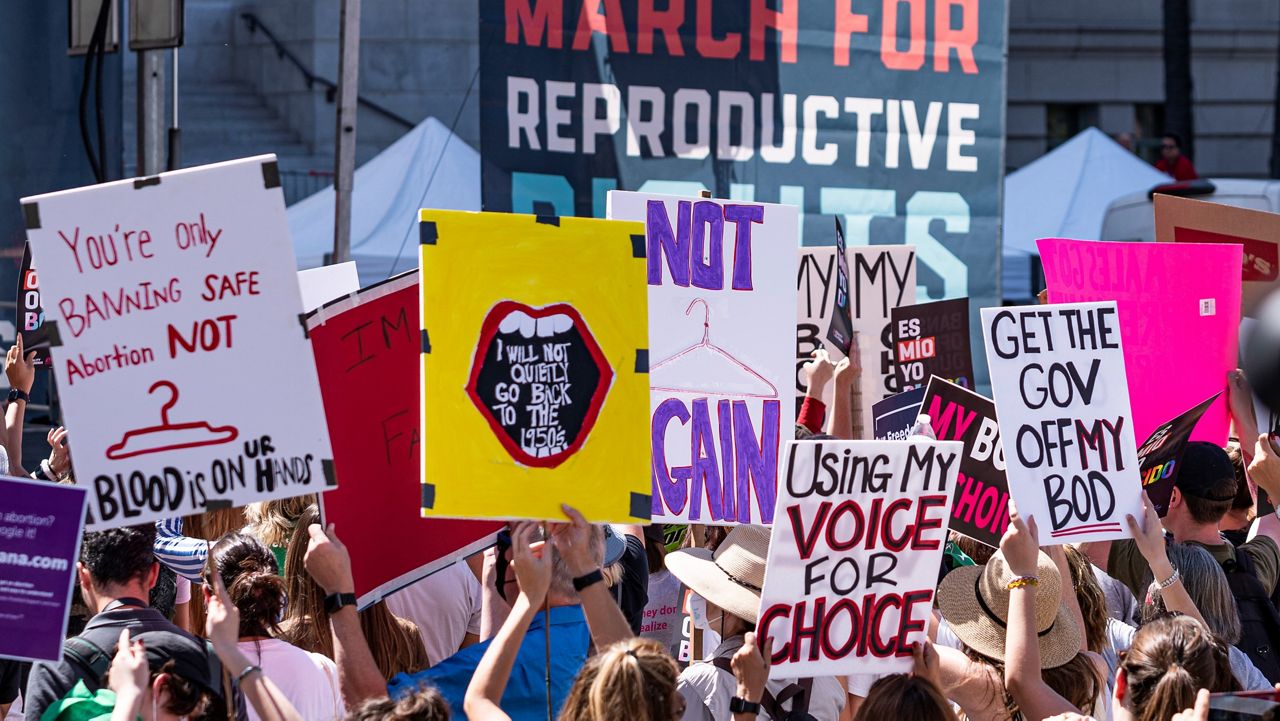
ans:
x=535 y=367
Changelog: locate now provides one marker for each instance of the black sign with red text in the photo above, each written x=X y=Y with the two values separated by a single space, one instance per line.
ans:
x=981 y=508
x=932 y=339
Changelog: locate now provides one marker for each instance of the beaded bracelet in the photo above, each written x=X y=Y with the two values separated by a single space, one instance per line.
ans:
x=1023 y=582
x=1177 y=576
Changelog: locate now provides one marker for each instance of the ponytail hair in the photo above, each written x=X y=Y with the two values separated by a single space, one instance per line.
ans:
x=249 y=571
x=637 y=675
x=1170 y=660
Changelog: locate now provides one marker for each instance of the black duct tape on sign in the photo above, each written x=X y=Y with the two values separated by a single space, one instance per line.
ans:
x=641 y=506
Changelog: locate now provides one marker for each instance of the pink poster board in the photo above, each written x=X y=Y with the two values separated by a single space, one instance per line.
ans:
x=1179 y=307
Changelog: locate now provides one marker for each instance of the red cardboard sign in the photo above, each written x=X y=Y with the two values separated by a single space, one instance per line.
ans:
x=367 y=347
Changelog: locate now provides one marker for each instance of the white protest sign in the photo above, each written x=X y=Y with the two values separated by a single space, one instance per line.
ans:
x=1062 y=398
x=853 y=563
x=186 y=377
x=722 y=308
x=881 y=278
x=321 y=285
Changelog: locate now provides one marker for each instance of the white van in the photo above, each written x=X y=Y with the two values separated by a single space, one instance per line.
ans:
x=1132 y=217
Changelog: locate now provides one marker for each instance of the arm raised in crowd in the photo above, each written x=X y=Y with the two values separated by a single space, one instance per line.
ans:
x=1264 y=470
x=573 y=541
x=841 y=423
x=222 y=626
x=330 y=566
x=129 y=677
x=20 y=368
x=185 y=555
x=532 y=563
x=1022 y=675
x=1149 y=537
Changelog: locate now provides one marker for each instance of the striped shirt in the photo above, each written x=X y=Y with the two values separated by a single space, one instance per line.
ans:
x=184 y=554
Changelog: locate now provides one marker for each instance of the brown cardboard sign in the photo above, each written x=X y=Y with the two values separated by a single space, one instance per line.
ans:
x=1183 y=220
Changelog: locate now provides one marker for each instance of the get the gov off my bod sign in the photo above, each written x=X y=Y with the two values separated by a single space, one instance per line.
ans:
x=722 y=309
x=1058 y=377
x=185 y=373
x=853 y=563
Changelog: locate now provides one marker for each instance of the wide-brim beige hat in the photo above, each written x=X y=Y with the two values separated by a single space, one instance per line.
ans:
x=732 y=577
x=974 y=601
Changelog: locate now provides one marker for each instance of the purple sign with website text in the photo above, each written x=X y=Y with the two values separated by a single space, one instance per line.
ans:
x=40 y=528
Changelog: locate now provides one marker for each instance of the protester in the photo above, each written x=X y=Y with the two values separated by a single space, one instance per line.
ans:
x=159 y=676
x=635 y=675
x=274 y=522
x=1206 y=584
x=116 y=573
x=1203 y=492
x=992 y=680
x=1172 y=162
x=308 y=680
x=394 y=642
x=423 y=705
x=627 y=574
x=1170 y=659
x=445 y=607
x=662 y=615
x=577 y=589
x=909 y=697
x=729 y=580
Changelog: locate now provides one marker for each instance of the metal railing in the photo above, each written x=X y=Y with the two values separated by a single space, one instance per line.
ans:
x=312 y=80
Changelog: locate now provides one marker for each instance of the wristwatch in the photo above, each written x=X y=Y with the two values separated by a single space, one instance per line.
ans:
x=335 y=601
x=741 y=705
x=18 y=395
x=588 y=579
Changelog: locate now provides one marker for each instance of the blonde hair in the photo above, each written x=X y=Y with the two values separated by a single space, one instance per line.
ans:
x=274 y=521
x=635 y=678
x=395 y=643
x=1206 y=584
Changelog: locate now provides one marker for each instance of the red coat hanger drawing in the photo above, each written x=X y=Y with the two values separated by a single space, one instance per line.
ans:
x=169 y=436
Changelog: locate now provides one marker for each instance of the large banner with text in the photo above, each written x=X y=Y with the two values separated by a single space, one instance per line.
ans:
x=890 y=115
x=186 y=378
x=721 y=310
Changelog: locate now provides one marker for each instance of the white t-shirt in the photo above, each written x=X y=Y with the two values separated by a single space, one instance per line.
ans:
x=444 y=605
x=308 y=680
x=1250 y=678
x=707 y=690
x=662 y=616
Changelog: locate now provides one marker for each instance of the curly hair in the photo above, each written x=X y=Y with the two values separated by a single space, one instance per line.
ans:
x=119 y=555
x=426 y=704
x=637 y=675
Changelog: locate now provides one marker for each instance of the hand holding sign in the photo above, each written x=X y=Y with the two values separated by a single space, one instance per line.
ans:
x=751 y=667
x=20 y=367
x=1021 y=544
x=1264 y=469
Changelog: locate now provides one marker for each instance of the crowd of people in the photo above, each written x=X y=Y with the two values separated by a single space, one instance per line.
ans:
x=251 y=614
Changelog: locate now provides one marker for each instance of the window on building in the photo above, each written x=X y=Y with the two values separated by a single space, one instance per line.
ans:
x=1064 y=120
x=1149 y=126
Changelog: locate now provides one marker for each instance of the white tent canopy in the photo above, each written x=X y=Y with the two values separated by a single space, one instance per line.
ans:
x=1065 y=194
x=427 y=168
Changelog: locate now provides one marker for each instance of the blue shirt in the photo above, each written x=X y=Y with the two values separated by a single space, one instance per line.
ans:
x=525 y=698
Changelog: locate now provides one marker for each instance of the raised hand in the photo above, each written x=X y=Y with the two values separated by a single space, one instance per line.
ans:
x=1020 y=544
x=20 y=366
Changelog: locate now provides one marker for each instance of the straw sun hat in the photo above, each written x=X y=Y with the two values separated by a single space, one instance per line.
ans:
x=974 y=600
x=732 y=577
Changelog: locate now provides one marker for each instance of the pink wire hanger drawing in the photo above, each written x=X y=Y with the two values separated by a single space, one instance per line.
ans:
x=169 y=436
x=706 y=355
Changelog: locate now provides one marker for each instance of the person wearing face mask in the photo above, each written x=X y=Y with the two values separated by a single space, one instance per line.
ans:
x=729 y=580
x=309 y=681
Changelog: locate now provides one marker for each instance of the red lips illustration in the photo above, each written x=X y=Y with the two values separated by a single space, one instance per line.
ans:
x=539 y=379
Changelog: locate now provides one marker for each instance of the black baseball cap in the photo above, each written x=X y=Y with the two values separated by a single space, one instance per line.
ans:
x=1206 y=472
x=190 y=660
